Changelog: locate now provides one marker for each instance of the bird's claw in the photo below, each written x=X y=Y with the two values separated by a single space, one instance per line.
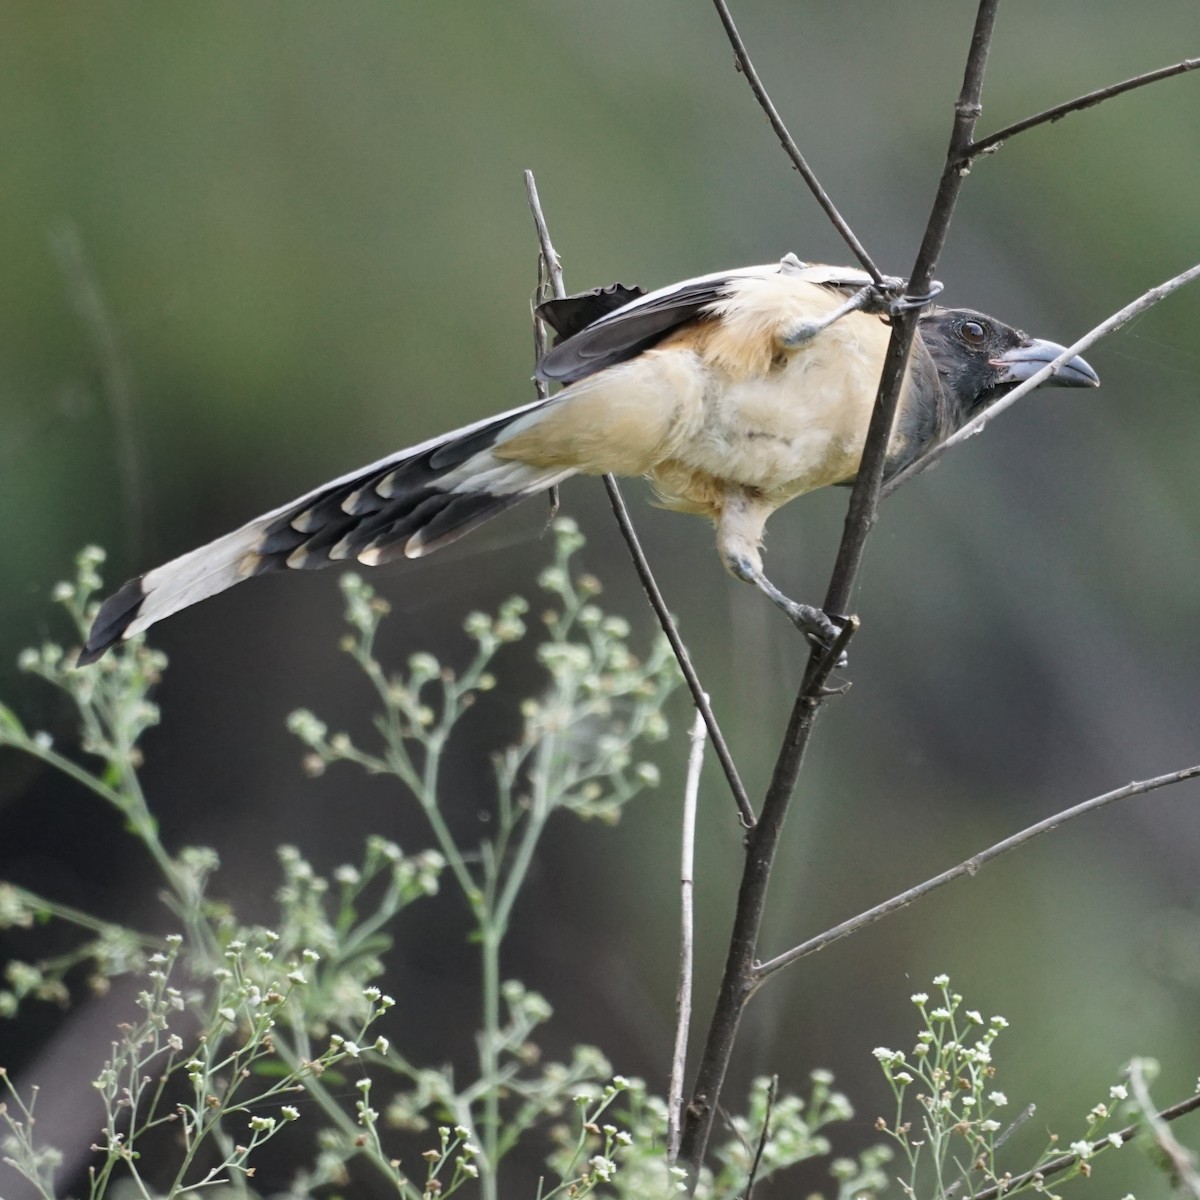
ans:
x=820 y=629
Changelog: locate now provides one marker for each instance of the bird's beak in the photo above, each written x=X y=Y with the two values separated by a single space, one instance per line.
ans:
x=1019 y=364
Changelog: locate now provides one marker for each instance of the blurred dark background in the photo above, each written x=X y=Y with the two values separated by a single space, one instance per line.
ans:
x=308 y=226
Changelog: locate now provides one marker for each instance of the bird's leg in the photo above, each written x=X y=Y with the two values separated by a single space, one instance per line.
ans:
x=804 y=331
x=739 y=532
x=817 y=626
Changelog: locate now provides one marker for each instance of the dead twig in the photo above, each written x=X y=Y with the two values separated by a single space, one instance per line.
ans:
x=1109 y=325
x=746 y=67
x=1057 y=1165
x=971 y=866
x=993 y=141
x=687 y=937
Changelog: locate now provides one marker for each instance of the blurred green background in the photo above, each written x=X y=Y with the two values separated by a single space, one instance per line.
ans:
x=308 y=227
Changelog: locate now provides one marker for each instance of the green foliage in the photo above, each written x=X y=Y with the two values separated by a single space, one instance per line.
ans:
x=242 y=1031
x=951 y=1120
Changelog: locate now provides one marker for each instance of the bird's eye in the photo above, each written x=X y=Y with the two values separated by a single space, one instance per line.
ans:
x=973 y=333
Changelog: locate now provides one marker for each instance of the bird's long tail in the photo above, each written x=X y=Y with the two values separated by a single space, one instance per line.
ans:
x=404 y=506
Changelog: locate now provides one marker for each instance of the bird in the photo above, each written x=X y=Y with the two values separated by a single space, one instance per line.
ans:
x=733 y=393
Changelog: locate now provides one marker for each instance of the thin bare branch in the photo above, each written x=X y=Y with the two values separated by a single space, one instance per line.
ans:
x=763 y=1136
x=1057 y=1165
x=640 y=562
x=971 y=866
x=687 y=938
x=549 y=254
x=746 y=67
x=1109 y=325
x=738 y=979
x=993 y=141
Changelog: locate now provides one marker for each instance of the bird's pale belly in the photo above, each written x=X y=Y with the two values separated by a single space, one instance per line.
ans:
x=780 y=442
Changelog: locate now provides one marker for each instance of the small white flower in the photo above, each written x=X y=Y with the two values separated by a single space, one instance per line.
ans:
x=919 y=998
x=999 y=1099
x=296 y=977
x=989 y=1126
x=1118 y=1091
x=1081 y=1149
x=381 y=1045
x=227 y=1014
x=974 y=1015
x=941 y=980
x=290 y=1112
x=1116 y=1141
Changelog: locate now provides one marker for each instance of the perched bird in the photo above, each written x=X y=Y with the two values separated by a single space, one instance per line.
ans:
x=733 y=393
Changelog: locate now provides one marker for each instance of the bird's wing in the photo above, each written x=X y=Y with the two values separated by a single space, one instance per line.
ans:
x=624 y=332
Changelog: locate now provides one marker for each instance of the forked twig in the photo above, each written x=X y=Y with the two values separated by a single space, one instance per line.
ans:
x=970 y=866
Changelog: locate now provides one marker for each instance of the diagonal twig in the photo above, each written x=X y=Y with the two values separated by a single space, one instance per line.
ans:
x=640 y=562
x=1057 y=1165
x=1109 y=325
x=699 y=697
x=970 y=866
x=746 y=67
x=993 y=140
x=763 y=1137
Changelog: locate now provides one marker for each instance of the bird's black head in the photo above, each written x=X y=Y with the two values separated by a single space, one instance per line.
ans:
x=979 y=358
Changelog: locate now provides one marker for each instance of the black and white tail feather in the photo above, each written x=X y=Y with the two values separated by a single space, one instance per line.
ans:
x=404 y=506
x=420 y=499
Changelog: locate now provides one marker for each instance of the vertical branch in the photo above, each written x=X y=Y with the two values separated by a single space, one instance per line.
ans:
x=683 y=998
x=762 y=841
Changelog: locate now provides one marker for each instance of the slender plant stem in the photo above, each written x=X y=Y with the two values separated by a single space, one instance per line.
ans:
x=117 y=390
x=993 y=140
x=762 y=841
x=746 y=67
x=687 y=931
x=971 y=866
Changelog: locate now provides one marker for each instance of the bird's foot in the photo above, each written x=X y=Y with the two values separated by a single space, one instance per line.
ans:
x=820 y=629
